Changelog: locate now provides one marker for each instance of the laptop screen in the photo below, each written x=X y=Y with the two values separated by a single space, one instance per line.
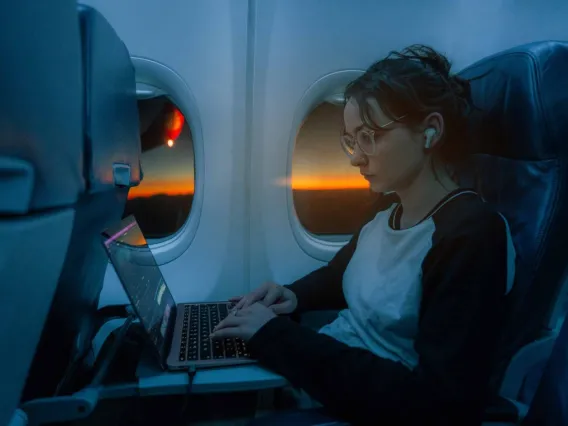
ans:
x=142 y=280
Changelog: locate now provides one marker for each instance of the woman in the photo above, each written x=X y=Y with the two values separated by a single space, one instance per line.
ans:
x=421 y=285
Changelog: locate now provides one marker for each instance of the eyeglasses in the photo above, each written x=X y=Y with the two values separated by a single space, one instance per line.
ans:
x=366 y=139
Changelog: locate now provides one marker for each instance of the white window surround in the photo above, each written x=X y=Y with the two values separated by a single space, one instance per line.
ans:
x=328 y=88
x=156 y=79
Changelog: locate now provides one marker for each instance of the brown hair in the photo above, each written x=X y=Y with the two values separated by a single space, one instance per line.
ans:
x=414 y=83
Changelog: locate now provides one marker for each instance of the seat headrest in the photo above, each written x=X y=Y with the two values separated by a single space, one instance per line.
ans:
x=519 y=138
x=523 y=100
x=520 y=165
x=41 y=152
x=111 y=122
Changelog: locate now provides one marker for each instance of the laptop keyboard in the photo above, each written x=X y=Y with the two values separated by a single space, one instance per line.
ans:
x=198 y=323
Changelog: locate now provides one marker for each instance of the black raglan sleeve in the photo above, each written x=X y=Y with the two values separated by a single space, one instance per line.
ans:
x=464 y=283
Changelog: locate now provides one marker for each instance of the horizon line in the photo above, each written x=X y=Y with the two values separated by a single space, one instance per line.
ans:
x=185 y=194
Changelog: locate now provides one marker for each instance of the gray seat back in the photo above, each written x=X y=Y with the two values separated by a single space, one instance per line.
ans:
x=41 y=173
x=112 y=166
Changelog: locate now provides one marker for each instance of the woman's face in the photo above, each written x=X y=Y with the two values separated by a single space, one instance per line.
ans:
x=398 y=155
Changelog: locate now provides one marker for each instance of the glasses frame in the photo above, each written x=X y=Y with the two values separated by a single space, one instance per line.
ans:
x=371 y=132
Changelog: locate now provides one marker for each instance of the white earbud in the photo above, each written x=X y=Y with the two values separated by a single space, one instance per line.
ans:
x=429 y=133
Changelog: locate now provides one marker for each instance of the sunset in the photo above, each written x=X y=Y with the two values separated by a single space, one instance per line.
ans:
x=175 y=187
x=160 y=186
x=325 y=182
x=318 y=162
x=330 y=195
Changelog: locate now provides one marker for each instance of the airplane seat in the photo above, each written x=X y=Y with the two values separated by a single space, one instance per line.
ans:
x=19 y=418
x=549 y=406
x=112 y=166
x=41 y=176
x=519 y=163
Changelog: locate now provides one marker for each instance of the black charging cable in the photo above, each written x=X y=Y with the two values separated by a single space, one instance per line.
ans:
x=191 y=371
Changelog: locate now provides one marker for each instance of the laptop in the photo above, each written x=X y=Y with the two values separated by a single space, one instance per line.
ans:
x=178 y=332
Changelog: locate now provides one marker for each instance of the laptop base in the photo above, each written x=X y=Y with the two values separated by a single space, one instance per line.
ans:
x=191 y=345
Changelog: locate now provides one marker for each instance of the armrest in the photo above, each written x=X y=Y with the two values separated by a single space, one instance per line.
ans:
x=501 y=410
x=18 y=419
x=525 y=360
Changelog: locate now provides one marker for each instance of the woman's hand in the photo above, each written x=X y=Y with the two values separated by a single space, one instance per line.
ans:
x=276 y=297
x=243 y=323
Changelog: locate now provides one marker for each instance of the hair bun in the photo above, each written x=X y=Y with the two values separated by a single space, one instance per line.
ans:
x=428 y=57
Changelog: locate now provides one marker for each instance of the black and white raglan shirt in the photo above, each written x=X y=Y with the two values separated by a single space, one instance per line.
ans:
x=420 y=318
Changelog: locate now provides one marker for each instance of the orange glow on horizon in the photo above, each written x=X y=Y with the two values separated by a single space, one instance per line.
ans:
x=149 y=188
x=173 y=188
x=329 y=183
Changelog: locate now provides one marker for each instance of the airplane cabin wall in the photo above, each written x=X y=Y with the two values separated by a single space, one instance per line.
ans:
x=205 y=44
x=255 y=69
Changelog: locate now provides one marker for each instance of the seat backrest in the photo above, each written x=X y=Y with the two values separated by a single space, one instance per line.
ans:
x=520 y=164
x=41 y=174
x=549 y=406
x=112 y=166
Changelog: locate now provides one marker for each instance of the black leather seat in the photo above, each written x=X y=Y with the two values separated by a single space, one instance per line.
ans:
x=519 y=163
x=41 y=174
x=112 y=166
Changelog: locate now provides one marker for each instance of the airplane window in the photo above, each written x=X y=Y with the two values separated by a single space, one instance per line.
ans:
x=330 y=195
x=162 y=201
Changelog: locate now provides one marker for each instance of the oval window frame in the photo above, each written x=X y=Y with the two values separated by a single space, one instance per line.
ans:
x=156 y=79
x=326 y=89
